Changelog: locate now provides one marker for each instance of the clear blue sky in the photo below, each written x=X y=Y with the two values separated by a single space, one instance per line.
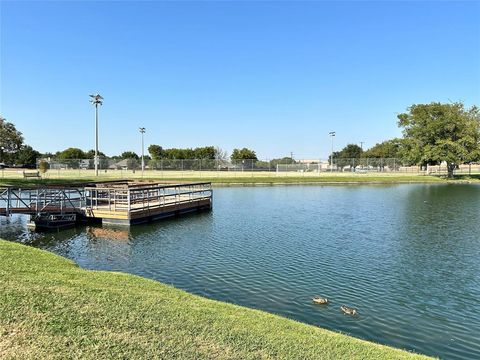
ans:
x=272 y=76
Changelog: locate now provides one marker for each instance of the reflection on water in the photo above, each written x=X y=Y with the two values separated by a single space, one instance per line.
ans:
x=405 y=255
x=120 y=234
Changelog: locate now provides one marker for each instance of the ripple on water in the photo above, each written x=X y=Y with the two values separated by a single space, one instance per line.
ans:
x=410 y=267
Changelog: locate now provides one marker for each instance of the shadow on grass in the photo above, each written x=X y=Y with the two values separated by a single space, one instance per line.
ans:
x=467 y=177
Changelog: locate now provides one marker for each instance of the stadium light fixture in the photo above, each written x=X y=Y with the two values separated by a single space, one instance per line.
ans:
x=332 y=135
x=96 y=100
x=142 y=131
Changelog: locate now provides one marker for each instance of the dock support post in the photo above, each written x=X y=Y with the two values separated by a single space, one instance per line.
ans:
x=128 y=200
x=8 y=200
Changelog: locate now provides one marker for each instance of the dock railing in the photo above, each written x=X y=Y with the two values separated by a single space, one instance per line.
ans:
x=41 y=199
x=140 y=197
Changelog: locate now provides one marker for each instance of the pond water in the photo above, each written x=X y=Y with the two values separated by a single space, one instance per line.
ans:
x=406 y=256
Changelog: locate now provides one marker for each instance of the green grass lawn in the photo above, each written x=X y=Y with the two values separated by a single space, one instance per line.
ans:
x=52 y=309
x=250 y=180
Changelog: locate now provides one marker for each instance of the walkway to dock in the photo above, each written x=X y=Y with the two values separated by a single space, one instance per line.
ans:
x=118 y=202
x=35 y=200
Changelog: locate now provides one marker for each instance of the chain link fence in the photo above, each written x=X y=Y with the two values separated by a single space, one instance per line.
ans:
x=288 y=165
x=247 y=165
x=193 y=168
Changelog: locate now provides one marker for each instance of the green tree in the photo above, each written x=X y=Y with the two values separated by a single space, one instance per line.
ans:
x=348 y=156
x=206 y=152
x=351 y=151
x=156 y=152
x=175 y=154
x=43 y=166
x=243 y=154
x=386 y=149
x=129 y=155
x=71 y=153
x=71 y=157
x=90 y=154
x=11 y=141
x=187 y=153
x=439 y=132
x=27 y=156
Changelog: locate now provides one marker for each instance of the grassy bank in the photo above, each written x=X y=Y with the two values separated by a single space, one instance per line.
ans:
x=250 y=180
x=53 y=309
x=340 y=179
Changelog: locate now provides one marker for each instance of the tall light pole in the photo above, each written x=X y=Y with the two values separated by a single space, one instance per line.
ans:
x=96 y=100
x=142 y=131
x=332 y=135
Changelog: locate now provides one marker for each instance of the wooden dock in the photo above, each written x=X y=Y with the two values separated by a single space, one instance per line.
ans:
x=140 y=202
x=116 y=202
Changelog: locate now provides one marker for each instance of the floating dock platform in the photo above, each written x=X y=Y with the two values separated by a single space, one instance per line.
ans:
x=135 y=203
x=114 y=202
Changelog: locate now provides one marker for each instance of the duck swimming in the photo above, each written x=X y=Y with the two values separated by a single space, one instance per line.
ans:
x=319 y=300
x=348 y=310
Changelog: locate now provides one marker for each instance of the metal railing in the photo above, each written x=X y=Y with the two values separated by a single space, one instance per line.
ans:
x=39 y=200
x=140 y=197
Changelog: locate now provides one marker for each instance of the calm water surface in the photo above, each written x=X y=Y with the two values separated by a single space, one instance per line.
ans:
x=407 y=256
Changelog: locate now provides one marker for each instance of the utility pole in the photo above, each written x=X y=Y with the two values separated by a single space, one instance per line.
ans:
x=361 y=145
x=96 y=100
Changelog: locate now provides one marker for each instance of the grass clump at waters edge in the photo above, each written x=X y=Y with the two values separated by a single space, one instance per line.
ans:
x=51 y=308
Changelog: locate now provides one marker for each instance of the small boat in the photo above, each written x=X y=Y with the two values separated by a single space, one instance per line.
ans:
x=320 y=300
x=348 y=310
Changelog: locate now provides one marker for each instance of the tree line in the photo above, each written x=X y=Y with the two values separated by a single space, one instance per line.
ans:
x=433 y=133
